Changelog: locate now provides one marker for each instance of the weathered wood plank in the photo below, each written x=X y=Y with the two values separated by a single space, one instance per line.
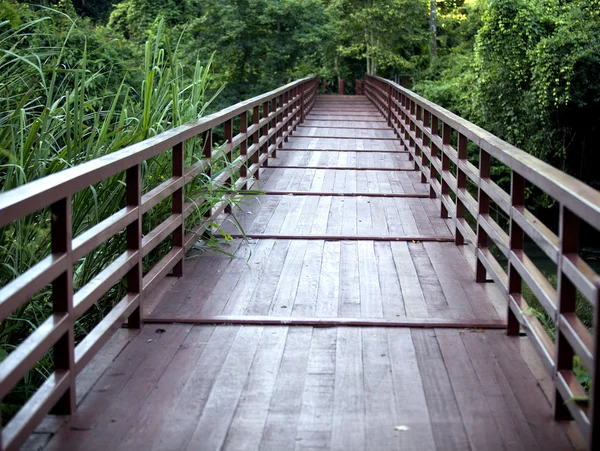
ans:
x=286 y=403
x=349 y=422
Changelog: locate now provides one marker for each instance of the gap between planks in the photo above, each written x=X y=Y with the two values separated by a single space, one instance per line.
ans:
x=332 y=322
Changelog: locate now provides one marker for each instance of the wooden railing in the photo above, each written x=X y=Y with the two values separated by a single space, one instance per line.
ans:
x=437 y=141
x=275 y=116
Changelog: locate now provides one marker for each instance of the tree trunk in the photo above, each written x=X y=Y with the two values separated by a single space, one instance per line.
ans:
x=433 y=28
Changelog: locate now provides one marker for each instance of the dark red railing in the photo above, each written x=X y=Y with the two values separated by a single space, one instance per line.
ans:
x=275 y=116
x=437 y=141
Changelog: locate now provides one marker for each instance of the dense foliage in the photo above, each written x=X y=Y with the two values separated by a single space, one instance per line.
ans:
x=80 y=79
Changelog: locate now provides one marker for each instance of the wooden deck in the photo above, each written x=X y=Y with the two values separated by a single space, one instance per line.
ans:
x=317 y=255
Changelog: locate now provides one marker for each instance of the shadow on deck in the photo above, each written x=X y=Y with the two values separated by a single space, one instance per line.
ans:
x=329 y=273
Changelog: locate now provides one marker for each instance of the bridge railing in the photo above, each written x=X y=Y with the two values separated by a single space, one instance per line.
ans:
x=275 y=116
x=437 y=141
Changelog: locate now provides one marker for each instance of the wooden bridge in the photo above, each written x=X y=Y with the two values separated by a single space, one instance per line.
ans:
x=375 y=304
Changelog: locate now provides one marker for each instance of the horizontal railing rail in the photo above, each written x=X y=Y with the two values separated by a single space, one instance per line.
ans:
x=275 y=116
x=428 y=132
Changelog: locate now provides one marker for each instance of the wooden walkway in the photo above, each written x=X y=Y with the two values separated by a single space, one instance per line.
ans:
x=329 y=250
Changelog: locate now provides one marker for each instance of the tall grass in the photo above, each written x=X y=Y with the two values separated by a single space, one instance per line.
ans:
x=61 y=106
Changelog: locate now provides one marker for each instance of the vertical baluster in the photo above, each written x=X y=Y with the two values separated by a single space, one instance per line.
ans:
x=446 y=131
x=274 y=126
x=244 y=148
x=517 y=194
x=301 y=103
x=426 y=143
x=280 y=121
x=461 y=185
x=567 y=300
x=411 y=127
x=395 y=124
x=133 y=182
x=286 y=116
x=389 y=105
x=228 y=133
x=265 y=132
x=62 y=301
x=207 y=148
x=177 y=204
x=484 y=209
x=417 y=132
x=255 y=157
x=434 y=153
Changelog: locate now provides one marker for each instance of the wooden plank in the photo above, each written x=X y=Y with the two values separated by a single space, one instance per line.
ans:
x=218 y=298
x=143 y=430
x=121 y=391
x=526 y=389
x=392 y=301
x=213 y=425
x=414 y=301
x=349 y=303
x=329 y=281
x=308 y=286
x=478 y=419
x=380 y=396
x=455 y=296
x=370 y=291
x=411 y=403
x=430 y=284
x=242 y=294
x=287 y=286
x=247 y=427
x=180 y=421
x=349 y=422
x=207 y=275
x=447 y=423
x=316 y=416
x=261 y=299
x=513 y=425
x=286 y=403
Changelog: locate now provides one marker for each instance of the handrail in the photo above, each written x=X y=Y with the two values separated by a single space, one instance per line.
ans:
x=275 y=116
x=418 y=122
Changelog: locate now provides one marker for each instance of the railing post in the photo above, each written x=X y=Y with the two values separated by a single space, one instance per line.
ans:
x=133 y=183
x=280 y=121
x=244 y=147
x=286 y=116
x=255 y=135
x=446 y=131
x=274 y=126
x=207 y=148
x=434 y=153
x=426 y=143
x=483 y=209
x=178 y=234
x=265 y=132
x=62 y=301
x=567 y=303
x=389 y=104
x=515 y=283
x=342 y=86
x=301 y=103
x=461 y=185
x=228 y=134
x=416 y=115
